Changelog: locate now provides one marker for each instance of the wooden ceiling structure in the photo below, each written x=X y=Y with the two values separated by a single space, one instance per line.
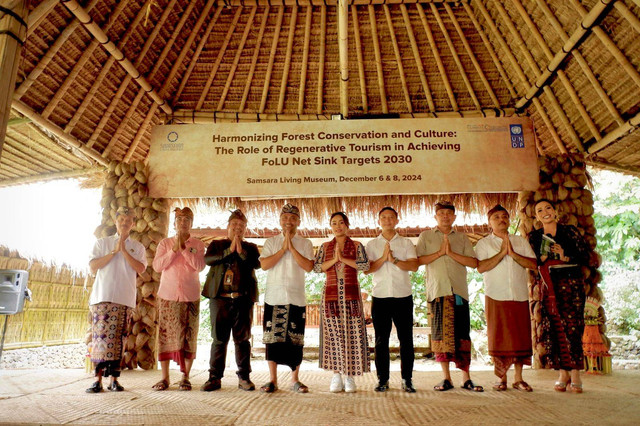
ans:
x=94 y=76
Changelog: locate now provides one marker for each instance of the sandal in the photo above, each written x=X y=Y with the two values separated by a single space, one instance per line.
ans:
x=299 y=387
x=575 y=387
x=161 y=385
x=522 y=386
x=184 y=385
x=444 y=385
x=269 y=387
x=560 y=386
x=468 y=385
x=502 y=386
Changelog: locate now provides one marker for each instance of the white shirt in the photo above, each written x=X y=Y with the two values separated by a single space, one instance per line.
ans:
x=444 y=275
x=285 y=280
x=508 y=280
x=389 y=280
x=116 y=281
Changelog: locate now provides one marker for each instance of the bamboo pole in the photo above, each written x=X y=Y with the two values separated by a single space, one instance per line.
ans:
x=39 y=13
x=554 y=66
x=79 y=65
x=196 y=55
x=276 y=3
x=611 y=46
x=141 y=131
x=236 y=59
x=361 y=75
x=187 y=116
x=436 y=54
x=396 y=51
x=17 y=121
x=629 y=126
x=378 y=56
x=456 y=57
x=124 y=122
x=417 y=58
x=604 y=97
x=321 y=60
x=50 y=176
x=110 y=47
x=218 y=61
x=13 y=32
x=343 y=50
x=305 y=59
x=628 y=15
x=30 y=157
x=472 y=56
x=287 y=59
x=272 y=55
x=516 y=66
x=43 y=148
x=615 y=167
x=254 y=59
x=25 y=110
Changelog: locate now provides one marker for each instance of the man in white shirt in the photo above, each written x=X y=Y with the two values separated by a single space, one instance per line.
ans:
x=392 y=257
x=286 y=257
x=447 y=254
x=115 y=260
x=504 y=260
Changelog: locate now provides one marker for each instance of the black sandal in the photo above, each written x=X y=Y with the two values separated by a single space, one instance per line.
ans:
x=269 y=387
x=96 y=387
x=444 y=385
x=468 y=385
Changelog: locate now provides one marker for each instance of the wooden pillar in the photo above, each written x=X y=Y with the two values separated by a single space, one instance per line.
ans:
x=13 y=32
x=126 y=185
x=343 y=48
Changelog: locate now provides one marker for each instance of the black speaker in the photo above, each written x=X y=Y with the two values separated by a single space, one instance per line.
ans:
x=13 y=290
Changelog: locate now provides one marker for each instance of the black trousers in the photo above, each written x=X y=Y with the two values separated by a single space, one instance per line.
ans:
x=384 y=310
x=227 y=316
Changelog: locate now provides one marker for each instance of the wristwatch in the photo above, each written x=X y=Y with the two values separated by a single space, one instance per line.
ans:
x=395 y=260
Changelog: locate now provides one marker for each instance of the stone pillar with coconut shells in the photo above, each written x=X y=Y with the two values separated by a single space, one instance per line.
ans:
x=565 y=181
x=126 y=185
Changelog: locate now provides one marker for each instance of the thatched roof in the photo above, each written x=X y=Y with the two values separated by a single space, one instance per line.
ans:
x=98 y=78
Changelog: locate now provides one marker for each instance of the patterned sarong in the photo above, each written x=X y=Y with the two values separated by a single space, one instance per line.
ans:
x=178 y=324
x=450 y=327
x=283 y=336
x=108 y=330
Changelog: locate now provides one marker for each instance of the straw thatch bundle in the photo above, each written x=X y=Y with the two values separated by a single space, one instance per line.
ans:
x=565 y=181
x=125 y=185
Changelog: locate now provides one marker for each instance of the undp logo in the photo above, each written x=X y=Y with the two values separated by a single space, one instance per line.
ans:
x=517 y=138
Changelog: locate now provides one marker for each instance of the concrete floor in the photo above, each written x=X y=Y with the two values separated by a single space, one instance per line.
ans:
x=55 y=397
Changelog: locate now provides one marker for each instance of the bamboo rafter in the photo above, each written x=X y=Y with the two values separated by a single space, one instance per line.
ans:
x=378 y=56
x=396 y=51
x=39 y=13
x=582 y=62
x=236 y=59
x=254 y=59
x=629 y=126
x=41 y=149
x=417 y=58
x=305 y=59
x=16 y=150
x=287 y=59
x=82 y=15
x=628 y=15
x=272 y=56
x=275 y=3
x=218 y=61
x=50 y=176
x=343 y=53
x=361 y=75
x=321 y=61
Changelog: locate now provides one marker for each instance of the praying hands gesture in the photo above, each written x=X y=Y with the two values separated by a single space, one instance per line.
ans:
x=236 y=245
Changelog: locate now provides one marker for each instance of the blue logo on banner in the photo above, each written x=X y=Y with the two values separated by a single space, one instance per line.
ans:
x=517 y=138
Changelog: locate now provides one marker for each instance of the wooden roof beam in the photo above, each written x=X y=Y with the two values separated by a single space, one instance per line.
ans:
x=321 y=59
x=221 y=52
x=611 y=46
x=82 y=15
x=515 y=33
x=287 y=59
x=343 y=54
x=628 y=14
x=378 y=56
x=39 y=13
x=472 y=56
x=305 y=59
x=615 y=167
x=361 y=75
x=25 y=110
x=396 y=51
x=436 y=54
x=523 y=78
x=276 y=3
x=417 y=58
x=196 y=54
x=560 y=72
x=629 y=126
x=272 y=56
x=50 y=176
x=604 y=97
x=236 y=58
x=44 y=148
x=26 y=153
x=254 y=59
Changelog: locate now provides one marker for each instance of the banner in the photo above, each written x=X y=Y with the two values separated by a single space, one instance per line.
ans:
x=343 y=157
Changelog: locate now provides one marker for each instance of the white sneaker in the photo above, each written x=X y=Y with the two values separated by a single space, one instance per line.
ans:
x=349 y=384
x=336 y=383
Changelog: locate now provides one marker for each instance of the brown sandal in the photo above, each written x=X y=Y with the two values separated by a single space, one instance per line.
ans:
x=522 y=386
x=501 y=386
x=161 y=385
x=184 y=385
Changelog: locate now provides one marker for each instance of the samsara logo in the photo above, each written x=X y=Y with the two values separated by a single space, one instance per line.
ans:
x=172 y=136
